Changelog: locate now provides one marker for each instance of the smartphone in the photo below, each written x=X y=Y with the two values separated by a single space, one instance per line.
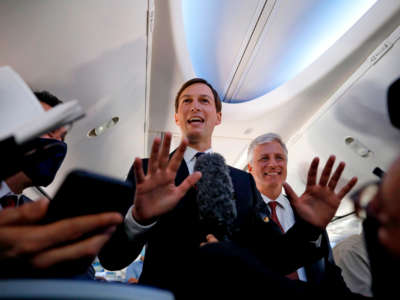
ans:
x=84 y=193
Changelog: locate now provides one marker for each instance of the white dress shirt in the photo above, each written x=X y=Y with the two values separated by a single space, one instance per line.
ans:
x=190 y=158
x=4 y=190
x=285 y=216
x=132 y=227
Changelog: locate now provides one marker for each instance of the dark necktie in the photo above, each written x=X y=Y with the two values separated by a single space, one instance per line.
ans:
x=272 y=205
x=9 y=201
x=198 y=154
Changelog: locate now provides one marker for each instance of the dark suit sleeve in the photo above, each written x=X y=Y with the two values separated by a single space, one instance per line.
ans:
x=283 y=253
x=119 y=251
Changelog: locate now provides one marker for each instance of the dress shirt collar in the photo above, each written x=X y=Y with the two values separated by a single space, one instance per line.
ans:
x=4 y=189
x=190 y=159
x=282 y=201
x=189 y=155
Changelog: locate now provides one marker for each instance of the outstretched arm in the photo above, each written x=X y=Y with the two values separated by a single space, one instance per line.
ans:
x=155 y=194
x=319 y=202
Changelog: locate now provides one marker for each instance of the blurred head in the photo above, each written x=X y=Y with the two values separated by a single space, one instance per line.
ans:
x=389 y=200
x=384 y=204
x=40 y=168
x=267 y=162
x=197 y=112
x=48 y=101
x=393 y=102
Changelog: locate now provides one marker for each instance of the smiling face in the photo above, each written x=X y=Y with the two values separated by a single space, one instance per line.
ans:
x=269 y=168
x=197 y=115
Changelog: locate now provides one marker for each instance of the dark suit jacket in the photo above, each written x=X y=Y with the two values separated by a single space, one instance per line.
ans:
x=315 y=271
x=325 y=267
x=173 y=241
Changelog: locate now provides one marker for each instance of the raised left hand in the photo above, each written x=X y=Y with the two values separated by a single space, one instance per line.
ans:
x=319 y=202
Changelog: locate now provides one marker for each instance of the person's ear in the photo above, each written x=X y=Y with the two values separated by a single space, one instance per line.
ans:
x=219 y=118
x=176 y=119
x=249 y=167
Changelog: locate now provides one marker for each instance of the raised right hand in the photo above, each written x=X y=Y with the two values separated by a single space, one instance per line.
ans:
x=156 y=192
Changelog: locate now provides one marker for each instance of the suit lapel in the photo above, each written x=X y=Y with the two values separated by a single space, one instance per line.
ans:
x=182 y=173
x=314 y=271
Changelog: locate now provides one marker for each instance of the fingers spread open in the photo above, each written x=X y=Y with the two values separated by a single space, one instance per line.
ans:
x=347 y=188
x=312 y=172
x=336 y=176
x=153 y=160
x=164 y=153
x=27 y=214
x=326 y=172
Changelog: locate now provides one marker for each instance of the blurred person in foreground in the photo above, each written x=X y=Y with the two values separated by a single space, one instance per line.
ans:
x=61 y=249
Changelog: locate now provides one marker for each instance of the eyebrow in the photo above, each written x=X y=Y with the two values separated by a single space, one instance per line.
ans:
x=203 y=95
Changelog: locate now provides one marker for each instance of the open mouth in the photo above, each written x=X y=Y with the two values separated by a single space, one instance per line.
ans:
x=195 y=120
x=272 y=173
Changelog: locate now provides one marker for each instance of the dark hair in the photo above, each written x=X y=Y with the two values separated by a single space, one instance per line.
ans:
x=48 y=98
x=190 y=82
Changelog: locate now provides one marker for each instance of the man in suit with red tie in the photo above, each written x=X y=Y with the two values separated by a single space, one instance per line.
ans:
x=164 y=216
x=267 y=162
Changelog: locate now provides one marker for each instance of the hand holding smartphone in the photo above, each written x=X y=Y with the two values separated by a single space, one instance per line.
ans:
x=84 y=193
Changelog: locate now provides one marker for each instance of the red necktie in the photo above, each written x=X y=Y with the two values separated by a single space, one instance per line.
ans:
x=198 y=154
x=272 y=205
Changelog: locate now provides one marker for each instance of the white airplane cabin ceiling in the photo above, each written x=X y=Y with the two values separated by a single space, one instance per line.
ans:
x=248 y=49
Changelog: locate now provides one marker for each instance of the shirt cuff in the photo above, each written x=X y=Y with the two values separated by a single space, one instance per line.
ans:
x=133 y=228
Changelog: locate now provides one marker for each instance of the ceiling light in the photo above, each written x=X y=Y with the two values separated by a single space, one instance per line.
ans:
x=99 y=130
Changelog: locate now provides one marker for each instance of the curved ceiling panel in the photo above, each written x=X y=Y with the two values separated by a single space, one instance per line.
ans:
x=253 y=50
x=217 y=33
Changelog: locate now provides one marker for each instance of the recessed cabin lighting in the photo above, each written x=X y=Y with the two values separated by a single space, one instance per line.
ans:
x=248 y=131
x=99 y=130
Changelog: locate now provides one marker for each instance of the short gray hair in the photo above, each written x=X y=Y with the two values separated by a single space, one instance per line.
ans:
x=263 y=139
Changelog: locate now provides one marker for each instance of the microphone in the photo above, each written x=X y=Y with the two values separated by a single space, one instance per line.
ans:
x=217 y=208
